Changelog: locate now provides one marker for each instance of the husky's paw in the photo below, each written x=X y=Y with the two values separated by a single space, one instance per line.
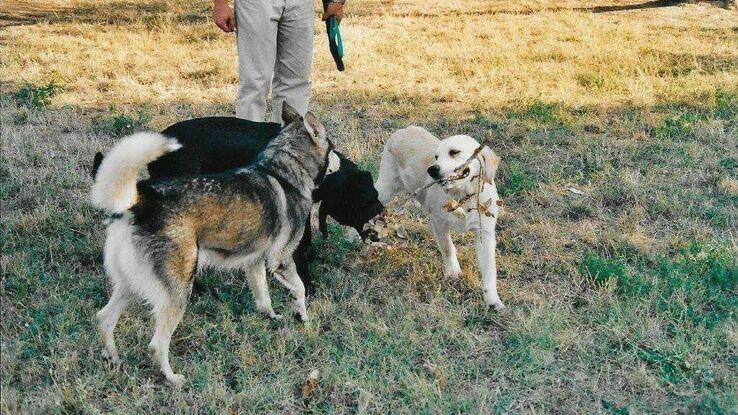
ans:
x=112 y=358
x=272 y=315
x=300 y=314
x=175 y=379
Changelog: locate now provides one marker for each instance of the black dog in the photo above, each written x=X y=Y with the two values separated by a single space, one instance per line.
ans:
x=217 y=144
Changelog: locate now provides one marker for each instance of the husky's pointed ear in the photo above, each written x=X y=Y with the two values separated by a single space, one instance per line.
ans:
x=489 y=163
x=314 y=127
x=290 y=114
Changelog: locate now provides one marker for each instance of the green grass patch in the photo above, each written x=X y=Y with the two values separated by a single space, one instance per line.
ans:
x=726 y=105
x=514 y=179
x=37 y=97
x=698 y=285
x=543 y=112
x=121 y=124
x=603 y=271
x=676 y=127
x=591 y=80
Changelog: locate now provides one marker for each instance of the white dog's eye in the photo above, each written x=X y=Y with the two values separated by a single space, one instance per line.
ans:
x=436 y=156
x=453 y=153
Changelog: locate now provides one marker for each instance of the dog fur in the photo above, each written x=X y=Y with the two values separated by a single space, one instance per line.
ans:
x=161 y=231
x=218 y=144
x=410 y=157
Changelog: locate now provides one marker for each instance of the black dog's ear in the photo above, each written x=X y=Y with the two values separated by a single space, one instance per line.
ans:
x=96 y=163
x=290 y=114
x=318 y=194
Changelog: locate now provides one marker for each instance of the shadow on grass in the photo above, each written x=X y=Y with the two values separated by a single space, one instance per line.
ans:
x=112 y=13
x=492 y=10
x=150 y=12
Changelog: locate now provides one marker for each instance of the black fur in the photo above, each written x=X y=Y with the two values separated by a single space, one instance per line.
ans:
x=216 y=144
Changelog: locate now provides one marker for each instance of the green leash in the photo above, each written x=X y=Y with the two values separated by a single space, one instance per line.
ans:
x=334 y=41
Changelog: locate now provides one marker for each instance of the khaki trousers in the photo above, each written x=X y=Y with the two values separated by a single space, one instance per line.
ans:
x=275 y=47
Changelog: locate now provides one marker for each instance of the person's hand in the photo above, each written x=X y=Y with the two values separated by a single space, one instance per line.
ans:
x=333 y=9
x=224 y=17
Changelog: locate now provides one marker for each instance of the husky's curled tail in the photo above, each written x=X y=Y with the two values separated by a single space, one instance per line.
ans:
x=114 y=189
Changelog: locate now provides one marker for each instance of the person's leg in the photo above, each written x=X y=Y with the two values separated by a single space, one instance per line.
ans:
x=294 y=58
x=256 y=42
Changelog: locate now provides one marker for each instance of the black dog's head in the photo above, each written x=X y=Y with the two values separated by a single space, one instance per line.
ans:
x=348 y=196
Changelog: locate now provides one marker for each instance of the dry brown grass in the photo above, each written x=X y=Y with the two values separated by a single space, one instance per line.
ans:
x=460 y=56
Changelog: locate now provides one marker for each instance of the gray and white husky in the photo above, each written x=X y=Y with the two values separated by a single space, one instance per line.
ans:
x=161 y=231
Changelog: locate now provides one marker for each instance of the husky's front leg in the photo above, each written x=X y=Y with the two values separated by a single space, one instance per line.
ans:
x=256 y=278
x=286 y=274
x=486 y=245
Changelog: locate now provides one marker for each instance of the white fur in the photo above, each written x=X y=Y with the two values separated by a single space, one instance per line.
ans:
x=114 y=189
x=132 y=274
x=407 y=155
x=334 y=163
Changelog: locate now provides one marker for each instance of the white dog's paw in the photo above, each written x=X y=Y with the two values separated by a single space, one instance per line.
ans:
x=494 y=302
x=498 y=306
x=453 y=272
x=175 y=379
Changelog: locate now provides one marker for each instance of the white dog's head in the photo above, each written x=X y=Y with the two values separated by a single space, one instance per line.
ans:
x=453 y=152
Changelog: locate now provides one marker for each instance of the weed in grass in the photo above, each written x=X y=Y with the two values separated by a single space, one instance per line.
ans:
x=603 y=271
x=514 y=179
x=543 y=112
x=37 y=97
x=697 y=285
x=614 y=409
x=591 y=80
x=671 y=368
x=730 y=164
x=726 y=105
x=676 y=127
x=121 y=124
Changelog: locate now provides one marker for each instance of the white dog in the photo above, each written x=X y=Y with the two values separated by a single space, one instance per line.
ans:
x=413 y=159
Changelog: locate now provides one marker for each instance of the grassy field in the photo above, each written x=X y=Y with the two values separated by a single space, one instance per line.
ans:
x=620 y=300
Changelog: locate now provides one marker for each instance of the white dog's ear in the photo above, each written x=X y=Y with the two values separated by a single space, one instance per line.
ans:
x=489 y=162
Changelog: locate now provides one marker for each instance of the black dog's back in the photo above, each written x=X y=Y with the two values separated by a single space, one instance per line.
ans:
x=213 y=145
x=209 y=145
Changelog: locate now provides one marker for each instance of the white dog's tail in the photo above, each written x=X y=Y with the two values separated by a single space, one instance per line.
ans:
x=114 y=189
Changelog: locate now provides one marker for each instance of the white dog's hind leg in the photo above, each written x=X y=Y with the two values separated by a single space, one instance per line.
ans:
x=486 y=245
x=442 y=233
x=388 y=182
x=256 y=277
x=287 y=276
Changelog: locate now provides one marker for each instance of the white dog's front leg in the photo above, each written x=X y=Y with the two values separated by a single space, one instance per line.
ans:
x=486 y=245
x=442 y=233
